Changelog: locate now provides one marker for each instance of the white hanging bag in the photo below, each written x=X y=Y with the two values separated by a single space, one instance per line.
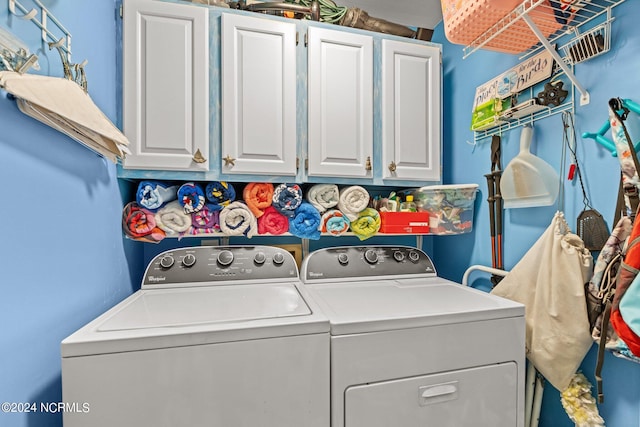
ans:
x=549 y=280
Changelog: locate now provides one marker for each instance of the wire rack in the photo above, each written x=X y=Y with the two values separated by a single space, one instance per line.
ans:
x=575 y=32
x=554 y=22
x=54 y=34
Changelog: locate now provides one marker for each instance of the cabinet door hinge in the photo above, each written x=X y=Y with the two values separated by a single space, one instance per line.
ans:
x=121 y=11
x=306 y=164
x=306 y=40
x=297 y=38
x=297 y=163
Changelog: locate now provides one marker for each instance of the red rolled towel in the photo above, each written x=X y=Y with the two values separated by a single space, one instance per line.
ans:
x=140 y=224
x=272 y=222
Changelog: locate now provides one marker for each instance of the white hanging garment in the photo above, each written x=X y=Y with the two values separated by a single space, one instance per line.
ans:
x=549 y=280
x=63 y=105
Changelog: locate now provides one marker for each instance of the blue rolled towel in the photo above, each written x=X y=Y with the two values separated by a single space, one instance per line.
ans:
x=152 y=195
x=191 y=197
x=220 y=193
x=287 y=198
x=305 y=222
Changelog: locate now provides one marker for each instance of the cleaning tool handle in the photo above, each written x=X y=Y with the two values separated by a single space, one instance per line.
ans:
x=525 y=138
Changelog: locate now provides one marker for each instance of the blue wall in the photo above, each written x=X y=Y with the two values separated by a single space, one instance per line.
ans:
x=64 y=260
x=614 y=74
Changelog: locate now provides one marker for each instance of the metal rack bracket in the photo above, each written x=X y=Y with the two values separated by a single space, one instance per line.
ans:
x=584 y=95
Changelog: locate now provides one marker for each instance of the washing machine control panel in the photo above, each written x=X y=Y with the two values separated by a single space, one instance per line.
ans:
x=218 y=264
x=366 y=261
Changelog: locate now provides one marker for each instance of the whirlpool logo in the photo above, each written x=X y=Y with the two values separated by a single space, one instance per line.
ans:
x=157 y=279
x=313 y=274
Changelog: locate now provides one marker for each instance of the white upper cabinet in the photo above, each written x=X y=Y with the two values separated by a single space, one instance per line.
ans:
x=166 y=85
x=258 y=96
x=282 y=99
x=411 y=111
x=340 y=103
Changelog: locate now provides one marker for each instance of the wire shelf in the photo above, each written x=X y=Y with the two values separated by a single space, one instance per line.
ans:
x=554 y=23
x=535 y=25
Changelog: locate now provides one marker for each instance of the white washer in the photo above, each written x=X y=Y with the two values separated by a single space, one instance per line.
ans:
x=411 y=349
x=217 y=336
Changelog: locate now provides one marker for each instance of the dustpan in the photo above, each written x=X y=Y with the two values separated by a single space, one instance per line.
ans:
x=527 y=180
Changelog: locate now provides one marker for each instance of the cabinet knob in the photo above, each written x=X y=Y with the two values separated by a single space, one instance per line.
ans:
x=392 y=166
x=229 y=161
x=198 y=157
x=367 y=164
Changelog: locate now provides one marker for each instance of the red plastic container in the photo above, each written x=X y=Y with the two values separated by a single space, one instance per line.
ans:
x=404 y=222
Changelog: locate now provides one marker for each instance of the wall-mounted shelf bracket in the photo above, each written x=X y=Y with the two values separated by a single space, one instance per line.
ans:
x=584 y=95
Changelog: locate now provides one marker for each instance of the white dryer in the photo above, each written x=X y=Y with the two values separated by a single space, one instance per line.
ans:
x=217 y=336
x=411 y=349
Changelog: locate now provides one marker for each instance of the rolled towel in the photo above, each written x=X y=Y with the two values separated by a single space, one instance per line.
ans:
x=207 y=220
x=305 y=222
x=323 y=196
x=152 y=195
x=287 y=198
x=237 y=220
x=353 y=200
x=172 y=219
x=367 y=224
x=258 y=196
x=272 y=222
x=191 y=197
x=334 y=222
x=140 y=224
x=220 y=193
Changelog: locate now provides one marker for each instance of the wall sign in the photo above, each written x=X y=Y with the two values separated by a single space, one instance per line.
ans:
x=522 y=76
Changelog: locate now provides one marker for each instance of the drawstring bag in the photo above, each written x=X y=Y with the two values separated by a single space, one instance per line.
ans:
x=549 y=280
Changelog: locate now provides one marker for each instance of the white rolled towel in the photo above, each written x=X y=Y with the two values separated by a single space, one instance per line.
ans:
x=236 y=219
x=172 y=219
x=323 y=196
x=353 y=200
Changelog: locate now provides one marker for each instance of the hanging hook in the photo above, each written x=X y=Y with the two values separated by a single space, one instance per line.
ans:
x=59 y=43
x=26 y=15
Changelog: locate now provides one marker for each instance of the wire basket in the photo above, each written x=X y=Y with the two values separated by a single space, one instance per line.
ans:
x=589 y=44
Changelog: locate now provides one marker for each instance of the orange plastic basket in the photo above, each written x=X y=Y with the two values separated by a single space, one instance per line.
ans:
x=466 y=20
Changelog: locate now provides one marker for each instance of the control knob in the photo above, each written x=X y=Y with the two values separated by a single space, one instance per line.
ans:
x=414 y=256
x=278 y=258
x=343 y=258
x=371 y=256
x=259 y=258
x=166 y=261
x=188 y=260
x=225 y=258
x=398 y=256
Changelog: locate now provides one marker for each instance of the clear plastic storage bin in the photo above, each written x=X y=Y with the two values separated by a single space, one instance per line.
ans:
x=450 y=207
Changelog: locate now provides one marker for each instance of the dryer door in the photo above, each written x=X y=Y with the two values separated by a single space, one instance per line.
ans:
x=483 y=396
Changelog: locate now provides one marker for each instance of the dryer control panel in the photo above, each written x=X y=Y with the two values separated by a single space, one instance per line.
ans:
x=366 y=262
x=216 y=264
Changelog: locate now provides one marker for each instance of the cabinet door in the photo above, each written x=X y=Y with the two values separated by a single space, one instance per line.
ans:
x=165 y=85
x=340 y=80
x=411 y=108
x=258 y=96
